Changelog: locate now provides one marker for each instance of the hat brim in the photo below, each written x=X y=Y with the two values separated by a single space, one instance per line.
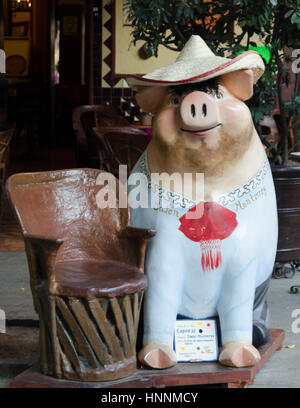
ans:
x=198 y=70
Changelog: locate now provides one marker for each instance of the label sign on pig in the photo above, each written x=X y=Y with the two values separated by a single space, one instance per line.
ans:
x=214 y=250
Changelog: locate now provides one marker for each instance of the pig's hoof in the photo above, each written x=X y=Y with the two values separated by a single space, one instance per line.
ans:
x=239 y=354
x=157 y=355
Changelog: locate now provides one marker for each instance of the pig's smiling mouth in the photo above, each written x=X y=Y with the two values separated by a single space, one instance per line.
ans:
x=200 y=132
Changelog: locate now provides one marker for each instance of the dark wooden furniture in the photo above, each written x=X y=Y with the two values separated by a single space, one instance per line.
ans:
x=85 y=119
x=86 y=273
x=5 y=139
x=183 y=374
x=287 y=186
x=121 y=145
x=28 y=109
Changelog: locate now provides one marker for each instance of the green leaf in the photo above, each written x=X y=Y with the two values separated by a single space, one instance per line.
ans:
x=288 y=14
x=179 y=11
x=295 y=18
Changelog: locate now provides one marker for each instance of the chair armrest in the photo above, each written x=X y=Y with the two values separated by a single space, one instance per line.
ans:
x=121 y=129
x=141 y=235
x=138 y=233
x=43 y=238
x=41 y=254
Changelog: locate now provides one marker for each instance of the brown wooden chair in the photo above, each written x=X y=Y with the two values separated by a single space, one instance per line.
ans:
x=86 y=273
x=87 y=118
x=122 y=145
x=5 y=139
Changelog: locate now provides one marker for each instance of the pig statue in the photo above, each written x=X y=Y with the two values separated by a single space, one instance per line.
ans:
x=214 y=248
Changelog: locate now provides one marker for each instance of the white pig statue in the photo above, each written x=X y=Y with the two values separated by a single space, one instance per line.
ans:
x=214 y=248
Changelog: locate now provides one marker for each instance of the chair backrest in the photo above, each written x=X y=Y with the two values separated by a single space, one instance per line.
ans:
x=5 y=138
x=62 y=204
x=124 y=145
x=85 y=119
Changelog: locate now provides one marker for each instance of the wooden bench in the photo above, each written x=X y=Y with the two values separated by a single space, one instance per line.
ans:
x=183 y=374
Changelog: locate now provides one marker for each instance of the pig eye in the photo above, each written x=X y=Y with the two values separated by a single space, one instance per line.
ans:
x=175 y=100
x=219 y=93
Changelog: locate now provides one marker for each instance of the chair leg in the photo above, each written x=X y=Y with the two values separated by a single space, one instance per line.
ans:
x=88 y=339
x=43 y=308
x=97 y=337
x=54 y=337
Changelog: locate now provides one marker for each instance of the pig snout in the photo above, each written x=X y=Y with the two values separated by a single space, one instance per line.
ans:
x=198 y=112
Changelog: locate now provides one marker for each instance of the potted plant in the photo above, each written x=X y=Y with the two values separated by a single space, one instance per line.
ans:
x=230 y=28
x=272 y=27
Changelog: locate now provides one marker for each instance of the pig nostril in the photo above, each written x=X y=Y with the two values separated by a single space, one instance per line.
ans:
x=193 y=110
x=204 y=110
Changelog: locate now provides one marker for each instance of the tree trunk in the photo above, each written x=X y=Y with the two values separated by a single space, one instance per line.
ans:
x=284 y=133
x=297 y=131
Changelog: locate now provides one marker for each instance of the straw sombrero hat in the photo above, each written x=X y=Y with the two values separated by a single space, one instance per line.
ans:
x=195 y=63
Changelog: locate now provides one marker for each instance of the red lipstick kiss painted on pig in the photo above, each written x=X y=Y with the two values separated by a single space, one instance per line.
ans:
x=208 y=223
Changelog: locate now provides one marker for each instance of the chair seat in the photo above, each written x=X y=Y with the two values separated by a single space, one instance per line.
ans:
x=96 y=279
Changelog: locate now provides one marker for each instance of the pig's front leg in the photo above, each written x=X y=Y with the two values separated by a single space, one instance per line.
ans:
x=157 y=355
x=162 y=299
x=235 y=309
x=239 y=354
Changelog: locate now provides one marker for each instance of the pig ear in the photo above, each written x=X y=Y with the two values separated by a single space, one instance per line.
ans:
x=239 y=83
x=150 y=98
